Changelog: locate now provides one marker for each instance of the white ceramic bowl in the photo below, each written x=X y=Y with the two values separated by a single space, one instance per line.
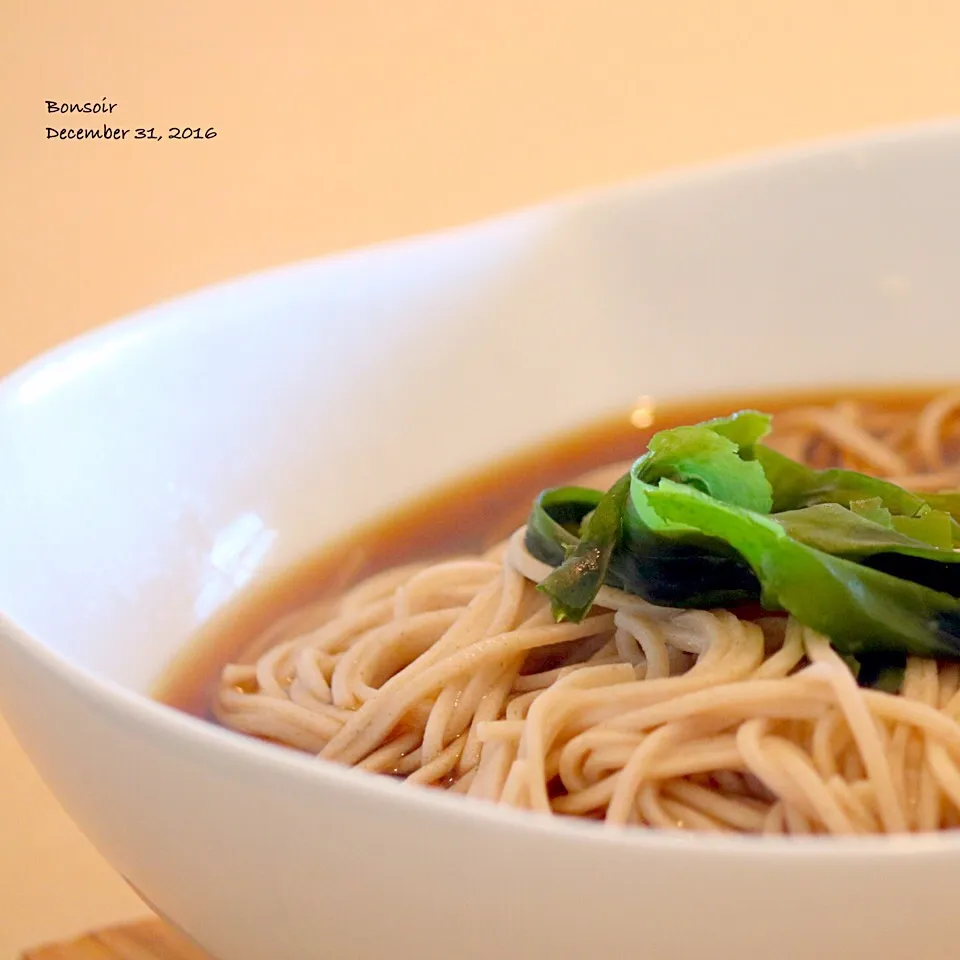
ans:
x=149 y=470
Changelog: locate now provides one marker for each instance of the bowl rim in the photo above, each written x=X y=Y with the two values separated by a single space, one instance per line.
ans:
x=872 y=138
x=156 y=719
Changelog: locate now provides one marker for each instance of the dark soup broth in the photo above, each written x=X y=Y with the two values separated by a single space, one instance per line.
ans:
x=465 y=516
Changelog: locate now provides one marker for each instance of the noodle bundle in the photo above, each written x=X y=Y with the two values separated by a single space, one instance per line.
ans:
x=456 y=675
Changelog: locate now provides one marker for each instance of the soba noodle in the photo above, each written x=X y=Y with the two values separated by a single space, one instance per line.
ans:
x=455 y=675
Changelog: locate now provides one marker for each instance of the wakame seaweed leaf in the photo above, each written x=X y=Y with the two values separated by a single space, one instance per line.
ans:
x=844 y=533
x=860 y=609
x=930 y=526
x=948 y=501
x=716 y=456
x=689 y=571
x=549 y=536
x=574 y=585
x=796 y=486
x=711 y=517
x=854 y=536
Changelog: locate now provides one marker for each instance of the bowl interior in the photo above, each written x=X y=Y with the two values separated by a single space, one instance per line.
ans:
x=151 y=469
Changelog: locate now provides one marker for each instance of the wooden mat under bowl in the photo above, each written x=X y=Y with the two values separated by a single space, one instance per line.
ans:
x=146 y=940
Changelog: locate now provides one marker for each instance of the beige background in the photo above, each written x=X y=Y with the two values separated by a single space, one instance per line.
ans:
x=341 y=122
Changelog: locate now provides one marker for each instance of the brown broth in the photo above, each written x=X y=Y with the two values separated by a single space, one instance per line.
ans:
x=467 y=515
